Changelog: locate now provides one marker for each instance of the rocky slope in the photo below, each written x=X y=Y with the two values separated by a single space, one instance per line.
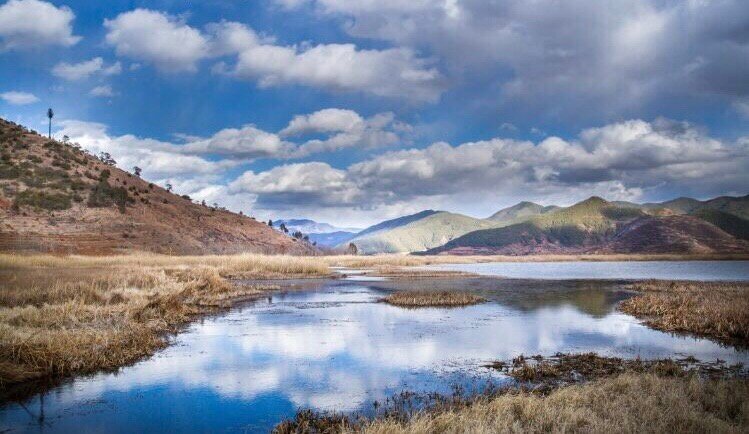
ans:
x=57 y=198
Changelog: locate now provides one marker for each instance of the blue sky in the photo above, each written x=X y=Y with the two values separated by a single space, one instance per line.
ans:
x=359 y=110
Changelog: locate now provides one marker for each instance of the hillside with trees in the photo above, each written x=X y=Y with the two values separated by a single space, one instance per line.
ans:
x=56 y=197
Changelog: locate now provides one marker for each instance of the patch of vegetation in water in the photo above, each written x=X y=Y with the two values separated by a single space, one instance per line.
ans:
x=432 y=299
x=717 y=310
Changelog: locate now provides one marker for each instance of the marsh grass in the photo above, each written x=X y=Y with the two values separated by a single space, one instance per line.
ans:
x=396 y=272
x=245 y=265
x=616 y=395
x=574 y=368
x=421 y=260
x=432 y=299
x=627 y=403
x=61 y=316
x=712 y=309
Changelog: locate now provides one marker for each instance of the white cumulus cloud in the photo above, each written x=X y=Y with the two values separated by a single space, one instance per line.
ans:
x=104 y=91
x=157 y=37
x=172 y=45
x=85 y=69
x=34 y=23
x=19 y=98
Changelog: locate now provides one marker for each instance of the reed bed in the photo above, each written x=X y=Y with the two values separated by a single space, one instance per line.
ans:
x=432 y=299
x=56 y=322
x=629 y=403
x=712 y=309
x=568 y=393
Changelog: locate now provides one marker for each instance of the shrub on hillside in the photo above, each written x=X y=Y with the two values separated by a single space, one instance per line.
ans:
x=43 y=200
x=103 y=195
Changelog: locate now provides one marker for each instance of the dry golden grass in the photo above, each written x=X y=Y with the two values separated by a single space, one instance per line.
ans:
x=716 y=310
x=257 y=265
x=67 y=315
x=629 y=403
x=396 y=272
x=432 y=299
x=242 y=265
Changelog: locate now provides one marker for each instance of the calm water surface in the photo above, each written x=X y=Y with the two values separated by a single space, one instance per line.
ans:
x=334 y=347
x=666 y=270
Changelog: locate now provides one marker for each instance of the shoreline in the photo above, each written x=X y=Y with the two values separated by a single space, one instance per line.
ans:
x=554 y=387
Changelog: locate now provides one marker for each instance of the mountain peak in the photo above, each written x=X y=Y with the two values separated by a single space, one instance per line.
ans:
x=593 y=201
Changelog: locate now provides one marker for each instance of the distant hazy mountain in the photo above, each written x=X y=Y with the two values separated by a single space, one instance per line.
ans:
x=417 y=232
x=521 y=211
x=597 y=226
x=323 y=234
x=332 y=239
x=308 y=226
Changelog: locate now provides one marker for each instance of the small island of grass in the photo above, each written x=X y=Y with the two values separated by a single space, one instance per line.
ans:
x=432 y=299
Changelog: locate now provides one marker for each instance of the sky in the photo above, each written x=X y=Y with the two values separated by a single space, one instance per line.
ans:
x=354 y=111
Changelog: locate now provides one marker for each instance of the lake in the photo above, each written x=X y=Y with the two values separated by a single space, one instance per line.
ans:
x=330 y=345
x=629 y=270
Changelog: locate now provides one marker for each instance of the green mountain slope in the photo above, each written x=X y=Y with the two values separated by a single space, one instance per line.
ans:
x=598 y=226
x=737 y=206
x=730 y=223
x=583 y=225
x=396 y=222
x=520 y=212
x=431 y=230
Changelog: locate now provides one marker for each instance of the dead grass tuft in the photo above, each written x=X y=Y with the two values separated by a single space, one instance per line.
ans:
x=716 y=310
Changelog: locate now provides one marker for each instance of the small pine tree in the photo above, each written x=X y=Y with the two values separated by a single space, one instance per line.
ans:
x=270 y=223
x=137 y=170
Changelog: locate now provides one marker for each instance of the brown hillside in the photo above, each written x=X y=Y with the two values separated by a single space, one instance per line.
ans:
x=57 y=198
x=678 y=233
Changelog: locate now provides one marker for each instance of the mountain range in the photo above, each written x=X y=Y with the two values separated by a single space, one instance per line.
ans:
x=683 y=225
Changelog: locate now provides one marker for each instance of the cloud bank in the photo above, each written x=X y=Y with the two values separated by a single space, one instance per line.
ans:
x=172 y=45
x=629 y=160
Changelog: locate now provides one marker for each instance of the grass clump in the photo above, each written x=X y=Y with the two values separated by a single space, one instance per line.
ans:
x=574 y=368
x=711 y=309
x=432 y=299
